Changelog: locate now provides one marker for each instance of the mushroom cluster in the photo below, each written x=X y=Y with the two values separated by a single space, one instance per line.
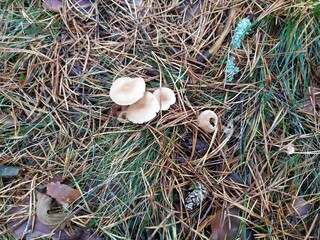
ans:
x=143 y=106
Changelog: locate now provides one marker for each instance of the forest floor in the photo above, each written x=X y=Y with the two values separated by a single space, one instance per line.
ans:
x=71 y=169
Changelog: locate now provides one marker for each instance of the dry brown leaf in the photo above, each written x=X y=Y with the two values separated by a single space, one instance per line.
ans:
x=51 y=220
x=224 y=224
x=299 y=208
x=23 y=228
x=64 y=194
x=53 y=5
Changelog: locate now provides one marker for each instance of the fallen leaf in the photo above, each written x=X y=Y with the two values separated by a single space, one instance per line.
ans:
x=21 y=227
x=9 y=171
x=64 y=194
x=299 y=208
x=51 y=220
x=53 y=5
x=225 y=224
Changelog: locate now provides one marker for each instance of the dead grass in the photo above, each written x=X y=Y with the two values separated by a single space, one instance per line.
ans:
x=56 y=71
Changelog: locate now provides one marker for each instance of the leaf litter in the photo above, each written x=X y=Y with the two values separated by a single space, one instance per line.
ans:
x=143 y=41
x=225 y=224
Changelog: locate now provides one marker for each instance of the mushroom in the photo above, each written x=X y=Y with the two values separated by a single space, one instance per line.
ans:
x=126 y=90
x=143 y=110
x=205 y=122
x=165 y=97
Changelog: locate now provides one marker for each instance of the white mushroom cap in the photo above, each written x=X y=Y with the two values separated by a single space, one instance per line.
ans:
x=165 y=96
x=143 y=110
x=205 y=123
x=126 y=91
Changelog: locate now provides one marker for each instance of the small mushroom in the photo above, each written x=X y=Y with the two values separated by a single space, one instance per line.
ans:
x=143 y=110
x=165 y=97
x=126 y=90
x=205 y=120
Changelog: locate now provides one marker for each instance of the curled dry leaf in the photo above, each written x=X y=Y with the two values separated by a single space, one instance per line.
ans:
x=23 y=228
x=225 y=224
x=51 y=220
x=217 y=44
x=64 y=194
